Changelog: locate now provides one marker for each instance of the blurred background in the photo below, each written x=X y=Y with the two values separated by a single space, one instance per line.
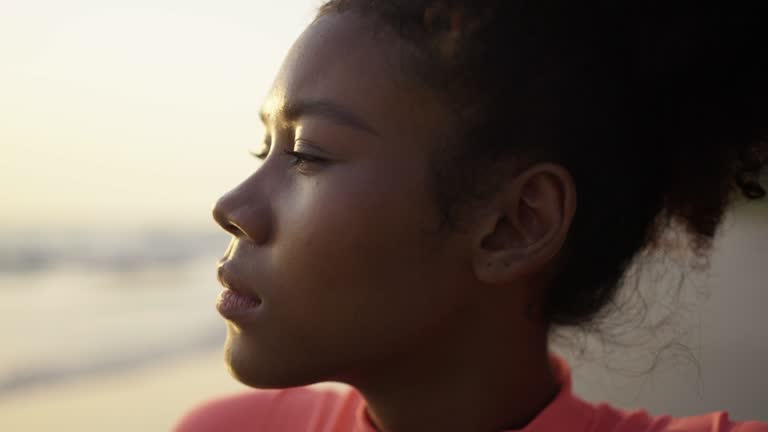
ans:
x=122 y=122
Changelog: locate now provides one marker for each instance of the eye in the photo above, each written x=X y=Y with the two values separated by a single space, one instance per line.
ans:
x=302 y=158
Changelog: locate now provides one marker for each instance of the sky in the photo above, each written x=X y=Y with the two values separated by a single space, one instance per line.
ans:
x=135 y=112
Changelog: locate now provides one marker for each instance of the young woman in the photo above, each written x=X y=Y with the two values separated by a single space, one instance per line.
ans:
x=446 y=182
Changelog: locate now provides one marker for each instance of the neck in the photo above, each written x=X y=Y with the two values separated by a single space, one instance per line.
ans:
x=496 y=380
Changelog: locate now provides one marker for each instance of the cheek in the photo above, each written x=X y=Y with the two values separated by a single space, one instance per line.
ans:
x=349 y=227
x=350 y=253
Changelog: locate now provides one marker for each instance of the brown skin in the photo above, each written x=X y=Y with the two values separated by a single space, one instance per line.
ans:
x=357 y=284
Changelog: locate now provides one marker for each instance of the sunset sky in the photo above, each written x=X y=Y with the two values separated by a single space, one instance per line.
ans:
x=133 y=112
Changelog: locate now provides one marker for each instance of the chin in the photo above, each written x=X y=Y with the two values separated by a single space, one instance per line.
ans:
x=263 y=371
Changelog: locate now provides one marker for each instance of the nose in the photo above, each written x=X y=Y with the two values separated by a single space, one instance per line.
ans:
x=241 y=215
x=221 y=211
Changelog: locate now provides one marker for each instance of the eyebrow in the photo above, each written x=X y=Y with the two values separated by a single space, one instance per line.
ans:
x=293 y=110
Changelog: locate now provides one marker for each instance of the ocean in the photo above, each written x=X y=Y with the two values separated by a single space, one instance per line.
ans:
x=83 y=302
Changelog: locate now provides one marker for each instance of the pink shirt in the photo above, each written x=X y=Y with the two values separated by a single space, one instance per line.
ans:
x=336 y=407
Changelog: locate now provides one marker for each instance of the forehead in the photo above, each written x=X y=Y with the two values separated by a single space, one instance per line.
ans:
x=338 y=58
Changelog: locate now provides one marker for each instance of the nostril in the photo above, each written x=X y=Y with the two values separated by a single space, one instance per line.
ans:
x=232 y=229
x=233 y=217
x=220 y=215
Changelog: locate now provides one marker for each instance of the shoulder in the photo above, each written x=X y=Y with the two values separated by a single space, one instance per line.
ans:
x=718 y=421
x=609 y=418
x=295 y=408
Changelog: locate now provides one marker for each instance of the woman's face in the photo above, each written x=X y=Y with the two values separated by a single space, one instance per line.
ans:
x=343 y=253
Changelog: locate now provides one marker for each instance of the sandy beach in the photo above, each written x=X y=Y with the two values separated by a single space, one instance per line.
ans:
x=145 y=399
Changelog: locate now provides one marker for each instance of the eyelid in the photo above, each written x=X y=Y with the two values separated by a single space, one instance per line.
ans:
x=310 y=144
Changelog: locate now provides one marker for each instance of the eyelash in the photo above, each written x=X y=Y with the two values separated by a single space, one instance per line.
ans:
x=300 y=158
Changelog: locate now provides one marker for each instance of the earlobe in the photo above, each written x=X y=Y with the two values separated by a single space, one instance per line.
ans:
x=529 y=225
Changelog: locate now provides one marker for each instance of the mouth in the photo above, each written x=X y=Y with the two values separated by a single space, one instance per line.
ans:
x=235 y=306
x=233 y=303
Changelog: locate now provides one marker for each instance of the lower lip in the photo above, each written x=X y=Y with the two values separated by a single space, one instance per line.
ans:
x=234 y=305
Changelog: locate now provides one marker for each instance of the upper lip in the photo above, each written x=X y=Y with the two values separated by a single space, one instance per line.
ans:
x=227 y=274
x=220 y=274
x=227 y=253
x=227 y=279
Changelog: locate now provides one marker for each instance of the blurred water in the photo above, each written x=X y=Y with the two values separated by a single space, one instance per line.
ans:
x=92 y=250
x=84 y=302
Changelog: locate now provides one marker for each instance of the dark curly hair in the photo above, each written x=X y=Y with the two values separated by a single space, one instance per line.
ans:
x=659 y=110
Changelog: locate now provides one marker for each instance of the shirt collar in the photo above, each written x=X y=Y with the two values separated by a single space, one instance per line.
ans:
x=565 y=412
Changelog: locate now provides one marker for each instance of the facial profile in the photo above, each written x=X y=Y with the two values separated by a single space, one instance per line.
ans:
x=341 y=243
x=340 y=247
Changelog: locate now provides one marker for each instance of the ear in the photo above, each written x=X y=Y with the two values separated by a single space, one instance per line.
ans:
x=526 y=225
